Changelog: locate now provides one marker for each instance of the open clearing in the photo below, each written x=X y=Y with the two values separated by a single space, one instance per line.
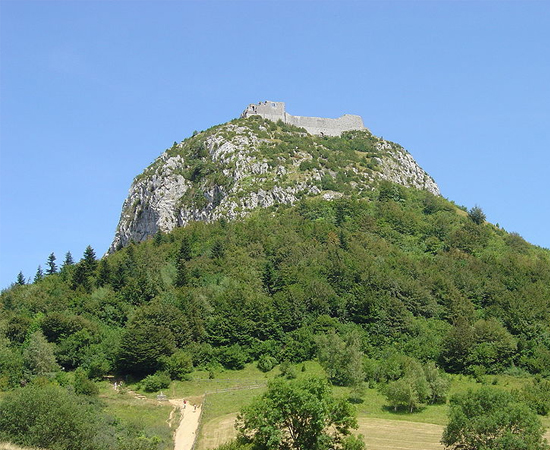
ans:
x=379 y=434
x=382 y=434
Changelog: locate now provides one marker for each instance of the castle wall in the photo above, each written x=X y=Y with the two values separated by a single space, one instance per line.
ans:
x=315 y=125
x=328 y=127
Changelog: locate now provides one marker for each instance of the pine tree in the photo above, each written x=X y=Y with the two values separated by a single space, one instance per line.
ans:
x=104 y=273
x=52 y=267
x=89 y=259
x=159 y=238
x=20 y=279
x=185 y=249
x=218 y=250
x=81 y=277
x=39 y=274
x=68 y=260
x=182 y=275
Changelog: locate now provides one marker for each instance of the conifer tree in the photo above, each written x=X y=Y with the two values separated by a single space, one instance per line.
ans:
x=182 y=275
x=185 y=249
x=52 y=267
x=158 y=238
x=89 y=259
x=39 y=274
x=68 y=260
x=104 y=273
x=218 y=250
x=20 y=279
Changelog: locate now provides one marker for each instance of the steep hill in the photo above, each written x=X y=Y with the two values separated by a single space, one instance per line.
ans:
x=234 y=168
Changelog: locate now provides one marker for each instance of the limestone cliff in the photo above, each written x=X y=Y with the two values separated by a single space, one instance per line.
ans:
x=253 y=162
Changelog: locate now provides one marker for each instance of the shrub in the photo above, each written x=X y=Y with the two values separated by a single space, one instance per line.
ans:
x=266 y=363
x=156 y=382
x=83 y=385
x=178 y=366
x=52 y=417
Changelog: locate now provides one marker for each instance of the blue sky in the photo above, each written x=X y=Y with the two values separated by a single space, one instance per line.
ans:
x=93 y=91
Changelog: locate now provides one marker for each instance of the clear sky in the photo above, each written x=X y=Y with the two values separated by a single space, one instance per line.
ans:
x=91 y=92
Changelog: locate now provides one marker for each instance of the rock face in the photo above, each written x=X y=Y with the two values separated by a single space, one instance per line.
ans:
x=253 y=162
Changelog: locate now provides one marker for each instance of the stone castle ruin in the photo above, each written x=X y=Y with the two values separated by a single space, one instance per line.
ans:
x=314 y=125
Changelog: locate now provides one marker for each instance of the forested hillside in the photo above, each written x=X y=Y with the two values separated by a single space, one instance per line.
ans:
x=405 y=271
x=383 y=289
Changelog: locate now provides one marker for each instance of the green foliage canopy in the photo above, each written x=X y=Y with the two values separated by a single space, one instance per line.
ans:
x=298 y=414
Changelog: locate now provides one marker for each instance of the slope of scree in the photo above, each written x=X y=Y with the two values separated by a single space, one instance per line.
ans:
x=248 y=163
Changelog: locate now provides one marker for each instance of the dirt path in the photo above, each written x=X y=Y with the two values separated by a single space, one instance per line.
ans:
x=185 y=435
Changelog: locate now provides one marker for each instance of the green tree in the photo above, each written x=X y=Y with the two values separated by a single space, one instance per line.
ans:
x=341 y=359
x=218 y=250
x=178 y=365
x=142 y=347
x=51 y=417
x=182 y=274
x=89 y=258
x=81 y=277
x=537 y=396
x=103 y=273
x=38 y=356
x=298 y=414
x=39 y=275
x=82 y=384
x=492 y=419
x=403 y=393
x=52 y=267
x=69 y=261
x=20 y=279
x=477 y=215
x=184 y=252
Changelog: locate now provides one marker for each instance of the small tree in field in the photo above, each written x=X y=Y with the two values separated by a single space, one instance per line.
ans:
x=491 y=419
x=299 y=415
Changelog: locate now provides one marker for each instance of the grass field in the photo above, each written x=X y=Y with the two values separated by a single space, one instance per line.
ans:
x=382 y=428
x=229 y=391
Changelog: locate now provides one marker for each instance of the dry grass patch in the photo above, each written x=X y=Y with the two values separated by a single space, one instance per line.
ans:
x=217 y=431
x=8 y=446
x=382 y=434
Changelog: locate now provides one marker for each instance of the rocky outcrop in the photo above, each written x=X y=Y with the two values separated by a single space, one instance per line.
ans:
x=232 y=169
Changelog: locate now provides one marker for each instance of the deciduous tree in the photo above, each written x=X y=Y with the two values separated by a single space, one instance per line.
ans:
x=492 y=419
x=298 y=414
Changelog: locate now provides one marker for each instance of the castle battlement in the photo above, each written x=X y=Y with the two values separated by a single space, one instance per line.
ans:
x=314 y=125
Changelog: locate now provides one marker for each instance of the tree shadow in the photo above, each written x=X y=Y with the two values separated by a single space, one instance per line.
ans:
x=402 y=411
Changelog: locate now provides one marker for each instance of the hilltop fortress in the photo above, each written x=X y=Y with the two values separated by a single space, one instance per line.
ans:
x=315 y=125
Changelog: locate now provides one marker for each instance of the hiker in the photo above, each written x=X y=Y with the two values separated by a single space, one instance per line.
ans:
x=184 y=403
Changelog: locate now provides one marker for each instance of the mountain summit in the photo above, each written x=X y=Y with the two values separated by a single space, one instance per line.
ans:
x=265 y=158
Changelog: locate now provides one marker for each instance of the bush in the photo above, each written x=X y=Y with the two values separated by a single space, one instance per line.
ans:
x=52 y=417
x=537 y=396
x=156 y=382
x=178 y=366
x=266 y=363
x=83 y=385
x=288 y=371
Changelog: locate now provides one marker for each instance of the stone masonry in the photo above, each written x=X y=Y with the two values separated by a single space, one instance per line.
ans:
x=315 y=125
